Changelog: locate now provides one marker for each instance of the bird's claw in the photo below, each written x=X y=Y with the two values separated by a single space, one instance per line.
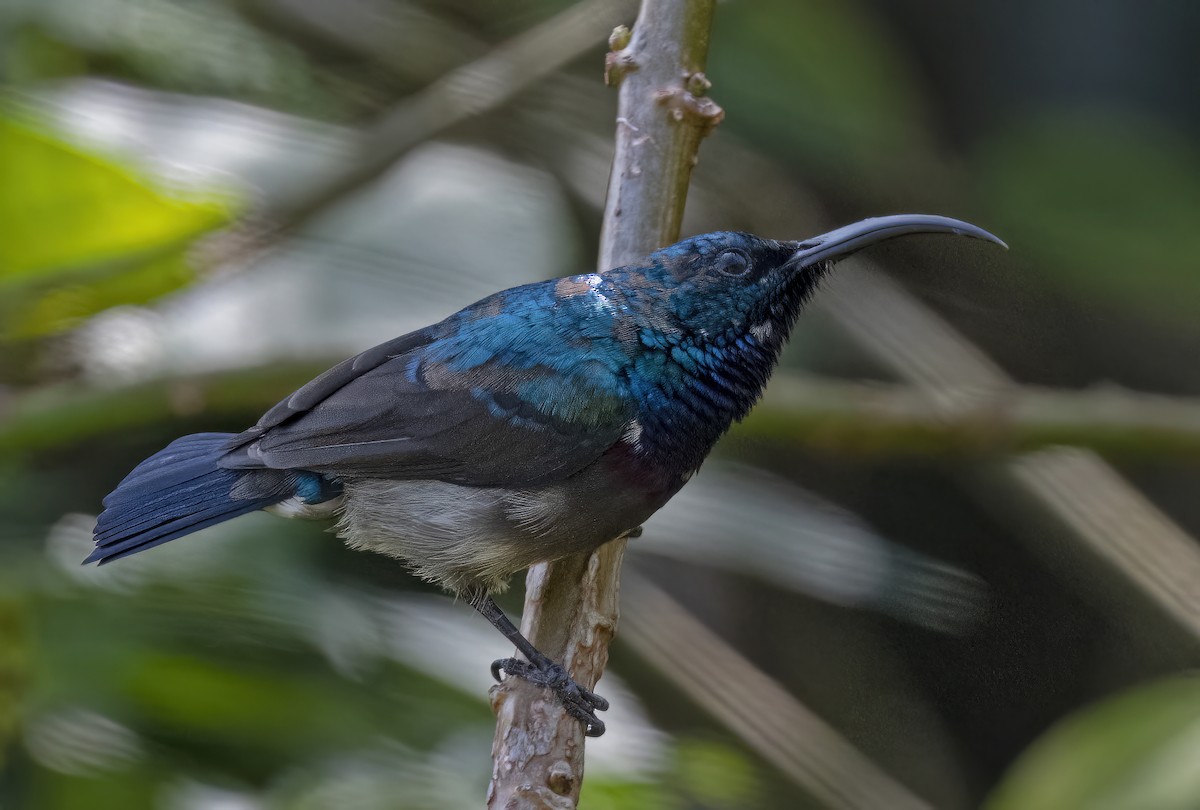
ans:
x=579 y=702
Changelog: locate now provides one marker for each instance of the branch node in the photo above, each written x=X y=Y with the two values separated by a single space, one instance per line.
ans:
x=696 y=83
x=684 y=105
x=620 y=38
x=617 y=64
x=561 y=779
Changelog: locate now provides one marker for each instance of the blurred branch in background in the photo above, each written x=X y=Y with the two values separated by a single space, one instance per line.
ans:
x=737 y=518
x=414 y=43
x=850 y=417
x=799 y=410
x=486 y=84
x=1155 y=561
x=1139 y=562
x=63 y=415
x=768 y=719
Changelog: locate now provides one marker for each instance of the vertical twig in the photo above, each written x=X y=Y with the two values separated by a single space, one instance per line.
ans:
x=571 y=605
x=662 y=116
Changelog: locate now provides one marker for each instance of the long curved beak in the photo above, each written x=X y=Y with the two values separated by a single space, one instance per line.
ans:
x=838 y=244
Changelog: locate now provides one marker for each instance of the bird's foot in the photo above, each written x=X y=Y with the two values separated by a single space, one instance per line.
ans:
x=634 y=533
x=579 y=702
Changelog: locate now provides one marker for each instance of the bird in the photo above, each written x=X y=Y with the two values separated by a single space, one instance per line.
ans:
x=539 y=422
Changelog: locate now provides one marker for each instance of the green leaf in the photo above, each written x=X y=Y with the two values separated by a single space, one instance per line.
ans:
x=83 y=234
x=1138 y=751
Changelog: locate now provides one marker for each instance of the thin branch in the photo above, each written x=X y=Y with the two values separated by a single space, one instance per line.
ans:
x=571 y=605
x=661 y=118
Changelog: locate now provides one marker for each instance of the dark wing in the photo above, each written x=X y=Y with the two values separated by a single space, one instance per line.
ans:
x=411 y=409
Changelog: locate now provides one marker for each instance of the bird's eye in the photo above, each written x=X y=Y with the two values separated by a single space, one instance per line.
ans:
x=732 y=263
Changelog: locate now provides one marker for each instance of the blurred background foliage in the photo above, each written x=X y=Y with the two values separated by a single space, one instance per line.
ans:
x=156 y=278
x=83 y=235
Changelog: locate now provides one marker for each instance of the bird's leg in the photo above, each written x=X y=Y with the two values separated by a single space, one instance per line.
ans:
x=539 y=669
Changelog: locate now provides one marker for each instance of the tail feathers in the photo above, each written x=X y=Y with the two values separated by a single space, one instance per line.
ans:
x=180 y=490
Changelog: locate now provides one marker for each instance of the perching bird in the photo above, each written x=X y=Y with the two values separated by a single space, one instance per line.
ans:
x=544 y=420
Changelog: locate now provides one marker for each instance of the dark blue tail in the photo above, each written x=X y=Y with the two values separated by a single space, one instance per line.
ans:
x=177 y=491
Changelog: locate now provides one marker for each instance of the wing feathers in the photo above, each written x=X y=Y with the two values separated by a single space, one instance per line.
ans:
x=402 y=410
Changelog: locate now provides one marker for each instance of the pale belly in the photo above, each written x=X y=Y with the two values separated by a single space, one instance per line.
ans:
x=476 y=537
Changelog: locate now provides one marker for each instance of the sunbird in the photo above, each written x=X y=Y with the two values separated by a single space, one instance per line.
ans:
x=537 y=423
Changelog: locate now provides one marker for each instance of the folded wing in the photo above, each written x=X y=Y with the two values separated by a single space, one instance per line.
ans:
x=423 y=406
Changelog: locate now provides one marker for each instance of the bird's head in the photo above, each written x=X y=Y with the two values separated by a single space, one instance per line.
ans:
x=725 y=285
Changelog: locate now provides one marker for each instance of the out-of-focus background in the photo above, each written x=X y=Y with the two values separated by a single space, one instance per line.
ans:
x=949 y=563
